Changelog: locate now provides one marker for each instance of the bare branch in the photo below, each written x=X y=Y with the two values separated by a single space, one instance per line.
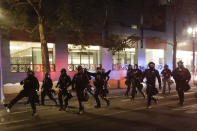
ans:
x=19 y=4
x=40 y=4
x=34 y=7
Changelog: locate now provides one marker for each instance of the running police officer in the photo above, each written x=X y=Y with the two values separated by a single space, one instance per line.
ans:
x=182 y=77
x=80 y=82
x=63 y=83
x=47 y=89
x=136 y=82
x=151 y=74
x=128 y=79
x=30 y=84
x=166 y=73
x=99 y=84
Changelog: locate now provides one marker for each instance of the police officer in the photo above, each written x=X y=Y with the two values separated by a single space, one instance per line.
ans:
x=80 y=82
x=128 y=79
x=182 y=77
x=136 y=82
x=151 y=74
x=166 y=73
x=47 y=89
x=99 y=83
x=30 y=84
x=63 y=83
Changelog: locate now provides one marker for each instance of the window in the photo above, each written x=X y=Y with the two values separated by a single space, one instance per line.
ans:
x=124 y=57
x=155 y=55
x=87 y=56
x=186 y=57
x=24 y=55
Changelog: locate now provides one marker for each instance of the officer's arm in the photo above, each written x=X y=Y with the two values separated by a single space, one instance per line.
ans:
x=108 y=77
x=69 y=81
x=58 y=83
x=73 y=82
x=108 y=72
x=140 y=75
x=189 y=76
x=170 y=72
x=158 y=78
x=162 y=72
x=51 y=82
x=37 y=84
x=42 y=84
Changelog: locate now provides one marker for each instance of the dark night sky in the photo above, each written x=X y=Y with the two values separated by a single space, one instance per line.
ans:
x=127 y=12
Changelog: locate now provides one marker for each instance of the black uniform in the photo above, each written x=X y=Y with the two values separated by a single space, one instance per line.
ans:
x=63 y=83
x=128 y=81
x=99 y=82
x=106 y=79
x=80 y=82
x=136 y=82
x=151 y=75
x=89 y=87
x=182 y=77
x=47 y=89
x=30 y=85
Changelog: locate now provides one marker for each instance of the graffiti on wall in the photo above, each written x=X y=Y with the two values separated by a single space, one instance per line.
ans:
x=159 y=67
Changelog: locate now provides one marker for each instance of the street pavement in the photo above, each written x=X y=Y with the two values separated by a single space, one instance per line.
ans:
x=122 y=115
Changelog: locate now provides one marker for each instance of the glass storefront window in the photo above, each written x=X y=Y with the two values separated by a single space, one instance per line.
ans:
x=155 y=55
x=124 y=57
x=186 y=57
x=24 y=55
x=86 y=56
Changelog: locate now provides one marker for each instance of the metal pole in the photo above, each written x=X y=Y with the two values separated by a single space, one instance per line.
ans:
x=193 y=63
x=1 y=71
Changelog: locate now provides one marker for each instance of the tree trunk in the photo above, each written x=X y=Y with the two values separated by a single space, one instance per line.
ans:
x=44 y=48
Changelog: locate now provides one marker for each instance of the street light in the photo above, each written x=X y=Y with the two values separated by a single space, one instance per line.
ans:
x=192 y=31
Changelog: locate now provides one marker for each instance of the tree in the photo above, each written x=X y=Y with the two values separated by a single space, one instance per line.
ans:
x=40 y=18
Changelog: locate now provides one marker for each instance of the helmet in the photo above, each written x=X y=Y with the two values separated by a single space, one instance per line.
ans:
x=136 y=66
x=165 y=66
x=63 y=70
x=180 y=62
x=47 y=74
x=151 y=63
x=79 y=68
x=30 y=72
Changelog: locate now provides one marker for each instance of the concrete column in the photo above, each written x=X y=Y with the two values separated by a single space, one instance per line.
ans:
x=61 y=50
x=168 y=57
x=168 y=53
x=141 y=53
x=106 y=56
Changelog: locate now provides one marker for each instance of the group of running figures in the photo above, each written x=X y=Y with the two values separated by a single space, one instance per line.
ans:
x=81 y=85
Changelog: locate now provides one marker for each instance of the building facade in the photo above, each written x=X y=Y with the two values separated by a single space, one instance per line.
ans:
x=19 y=54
